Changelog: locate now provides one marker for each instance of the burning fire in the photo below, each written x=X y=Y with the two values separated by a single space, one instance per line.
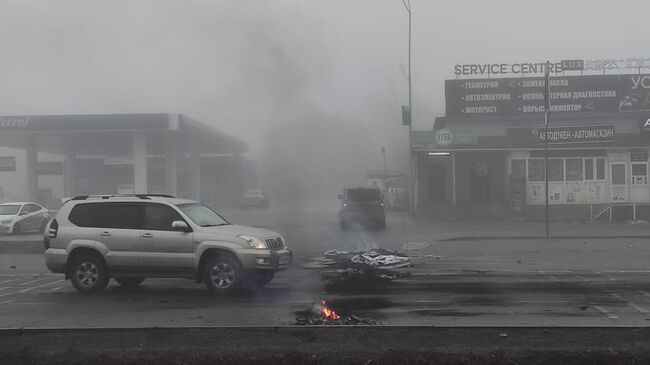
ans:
x=326 y=312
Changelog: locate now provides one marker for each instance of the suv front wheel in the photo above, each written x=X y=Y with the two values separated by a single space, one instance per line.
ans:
x=223 y=274
x=88 y=274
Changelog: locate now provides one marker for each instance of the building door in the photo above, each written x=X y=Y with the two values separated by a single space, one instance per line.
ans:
x=618 y=183
x=480 y=183
x=437 y=183
x=639 y=190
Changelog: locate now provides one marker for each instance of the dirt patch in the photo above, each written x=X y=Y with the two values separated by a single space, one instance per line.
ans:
x=388 y=358
x=328 y=345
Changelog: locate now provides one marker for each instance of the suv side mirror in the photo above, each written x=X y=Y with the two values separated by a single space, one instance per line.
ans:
x=340 y=196
x=180 y=226
x=24 y=212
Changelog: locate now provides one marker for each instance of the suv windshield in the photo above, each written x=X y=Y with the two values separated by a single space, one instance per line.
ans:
x=363 y=195
x=9 y=209
x=202 y=215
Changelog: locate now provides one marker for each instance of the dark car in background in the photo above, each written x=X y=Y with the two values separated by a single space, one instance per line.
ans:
x=363 y=205
x=254 y=199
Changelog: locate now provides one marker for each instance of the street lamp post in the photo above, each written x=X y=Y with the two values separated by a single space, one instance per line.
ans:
x=385 y=177
x=547 y=116
x=407 y=6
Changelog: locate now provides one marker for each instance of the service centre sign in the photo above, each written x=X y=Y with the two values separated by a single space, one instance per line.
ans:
x=505 y=69
x=586 y=134
x=488 y=69
x=569 y=94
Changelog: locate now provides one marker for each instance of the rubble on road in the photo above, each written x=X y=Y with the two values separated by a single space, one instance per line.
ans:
x=350 y=320
x=322 y=315
x=375 y=264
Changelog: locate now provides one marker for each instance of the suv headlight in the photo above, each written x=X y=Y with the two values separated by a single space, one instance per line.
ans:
x=254 y=242
x=6 y=221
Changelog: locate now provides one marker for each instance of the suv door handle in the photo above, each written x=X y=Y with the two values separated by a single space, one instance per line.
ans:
x=105 y=234
x=147 y=235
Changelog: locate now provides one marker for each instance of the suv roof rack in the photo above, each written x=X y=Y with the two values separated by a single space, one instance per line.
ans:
x=108 y=196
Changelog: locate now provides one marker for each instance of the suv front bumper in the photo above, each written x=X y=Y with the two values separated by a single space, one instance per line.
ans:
x=266 y=259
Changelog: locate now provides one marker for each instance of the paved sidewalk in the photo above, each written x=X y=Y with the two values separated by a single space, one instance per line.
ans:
x=451 y=230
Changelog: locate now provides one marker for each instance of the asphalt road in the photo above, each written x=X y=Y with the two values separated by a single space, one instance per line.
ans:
x=517 y=282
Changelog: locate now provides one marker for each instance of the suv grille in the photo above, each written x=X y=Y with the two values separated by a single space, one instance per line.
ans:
x=275 y=243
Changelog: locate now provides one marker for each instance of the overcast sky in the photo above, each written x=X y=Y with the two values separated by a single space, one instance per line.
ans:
x=246 y=65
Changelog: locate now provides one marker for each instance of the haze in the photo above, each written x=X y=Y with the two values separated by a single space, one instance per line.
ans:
x=310 y=85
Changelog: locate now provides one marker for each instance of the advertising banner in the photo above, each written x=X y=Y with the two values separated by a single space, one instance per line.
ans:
x=582 y=134
x=570 y=94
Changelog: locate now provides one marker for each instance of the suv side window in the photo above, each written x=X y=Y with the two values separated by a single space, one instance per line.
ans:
x=159 y=217
x=85 y=215
x=122 y=215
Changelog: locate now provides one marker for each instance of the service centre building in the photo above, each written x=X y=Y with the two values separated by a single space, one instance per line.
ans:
x=485 y=157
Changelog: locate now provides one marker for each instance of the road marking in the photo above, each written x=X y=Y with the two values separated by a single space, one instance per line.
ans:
x=7 y=301
x=9 y=281
x=643 y=292
x=628 y=271
x=59 y=288
x=604 y=311
x=32 y=281
x=631 y=304
x=52 y=283
x=553 y=278
x=543 y=301
x=41 y=286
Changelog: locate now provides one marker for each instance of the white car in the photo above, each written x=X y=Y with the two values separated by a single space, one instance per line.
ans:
x=22 y=217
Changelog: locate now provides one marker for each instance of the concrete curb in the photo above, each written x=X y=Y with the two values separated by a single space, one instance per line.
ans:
x=536 y=237
x=20 y=331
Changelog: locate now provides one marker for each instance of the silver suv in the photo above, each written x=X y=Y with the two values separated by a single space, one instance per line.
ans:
x=130 y=238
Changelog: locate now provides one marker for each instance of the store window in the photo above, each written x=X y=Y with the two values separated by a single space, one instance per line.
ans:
x=639 y=173
x=7 y=163
x=518 y=168
x=555 y=169
x=618 y=174
x=600 y=169
x=594 y=169
x=535 y=170
x=574 y=169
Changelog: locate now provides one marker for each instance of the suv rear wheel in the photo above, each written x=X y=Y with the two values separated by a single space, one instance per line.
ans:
x=88 y=274
x=129 y=282
x=223 y=274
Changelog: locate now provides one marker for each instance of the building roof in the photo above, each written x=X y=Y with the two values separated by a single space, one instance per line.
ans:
x=54 y=131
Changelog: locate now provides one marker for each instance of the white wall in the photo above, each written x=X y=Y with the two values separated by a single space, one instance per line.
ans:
x=14 y=184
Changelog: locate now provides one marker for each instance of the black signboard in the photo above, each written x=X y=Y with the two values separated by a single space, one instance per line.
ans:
x=582 y=134
x=573 y=65
x=570 y=94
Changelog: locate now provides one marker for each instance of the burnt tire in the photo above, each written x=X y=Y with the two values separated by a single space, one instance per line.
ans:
x=129 y=282
x=223 y=274
x=88 y=273
x=263 y=277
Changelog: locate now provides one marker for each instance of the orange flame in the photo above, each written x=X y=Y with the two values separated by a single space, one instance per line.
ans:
x=326 y=312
